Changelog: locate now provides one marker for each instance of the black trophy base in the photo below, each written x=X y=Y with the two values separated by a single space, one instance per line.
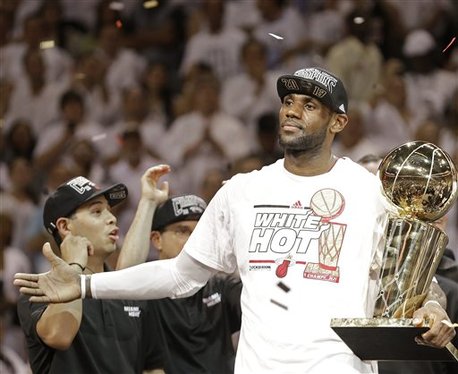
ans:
x=388 y=339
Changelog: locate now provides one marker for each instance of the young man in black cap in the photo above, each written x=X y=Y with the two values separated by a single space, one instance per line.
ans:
x=302 y=233
x=86 y=336
x=194 y=333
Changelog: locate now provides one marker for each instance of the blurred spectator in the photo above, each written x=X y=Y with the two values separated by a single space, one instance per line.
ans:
x=356 y=58
x=19 y=200
x=19 y=11
x=211 y=183
x=159 y=32
x=89 y=79
x=159 y=93
x=183 y=100
x=388 y=28
x=205 y=138
x=81 y=12
x=134 y=160
x=352 y=141
x=241 y=14
x=371 y=162
x=436 y=16
x=246 y=164
x=6 y=88
x=429 y=86
x=252 y=93
x=135 y=115
x=279 y=20
x=326 y=27
x=67 y=34
x=215 y=44
x=267 y=136
x=57 y=61
x=55 y=141
x=13 y=260
x=34 y=233
x=20 y=141
x=392 y=121
x=124 y=65
x=32 y=88
x=84 y=161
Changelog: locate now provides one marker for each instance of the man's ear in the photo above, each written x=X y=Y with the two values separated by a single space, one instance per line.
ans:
x=156 y=240
x=339 y=123
x=62 y=225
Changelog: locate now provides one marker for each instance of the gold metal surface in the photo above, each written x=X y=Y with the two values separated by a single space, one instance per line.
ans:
x=420 y=179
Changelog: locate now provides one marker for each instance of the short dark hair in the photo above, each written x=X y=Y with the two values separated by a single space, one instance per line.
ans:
x=69 y=97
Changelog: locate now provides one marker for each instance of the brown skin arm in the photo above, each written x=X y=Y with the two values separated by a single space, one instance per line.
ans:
x=432 y=313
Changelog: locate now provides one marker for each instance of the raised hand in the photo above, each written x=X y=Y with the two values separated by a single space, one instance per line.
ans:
x=60 y=284
x=149 y=181
x=76 y=249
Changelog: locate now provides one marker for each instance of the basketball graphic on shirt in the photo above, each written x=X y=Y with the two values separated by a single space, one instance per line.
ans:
x=327 y=203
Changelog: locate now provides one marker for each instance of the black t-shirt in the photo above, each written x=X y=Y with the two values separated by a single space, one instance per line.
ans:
x=195 y=333
x=113 y=338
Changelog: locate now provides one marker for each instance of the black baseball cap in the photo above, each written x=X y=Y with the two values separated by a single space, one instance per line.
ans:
x=179 y=208
x=70 y=195
x=316 y=82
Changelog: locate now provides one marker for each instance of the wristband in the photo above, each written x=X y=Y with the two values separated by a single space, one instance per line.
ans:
x=80 y=266
x=83 y=286
x=432 y=301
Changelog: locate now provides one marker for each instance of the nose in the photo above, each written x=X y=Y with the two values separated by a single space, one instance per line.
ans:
x=294 y=110
x=111 y=219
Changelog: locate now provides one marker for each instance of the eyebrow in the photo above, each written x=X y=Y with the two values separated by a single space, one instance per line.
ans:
x=304 y=97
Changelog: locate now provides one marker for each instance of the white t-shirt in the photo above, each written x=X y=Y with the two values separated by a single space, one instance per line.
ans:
x=325 y=228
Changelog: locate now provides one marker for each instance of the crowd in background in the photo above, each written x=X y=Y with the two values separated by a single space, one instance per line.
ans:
x=105 y=89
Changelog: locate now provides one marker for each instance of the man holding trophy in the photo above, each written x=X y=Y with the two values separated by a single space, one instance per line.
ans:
x=303 y=234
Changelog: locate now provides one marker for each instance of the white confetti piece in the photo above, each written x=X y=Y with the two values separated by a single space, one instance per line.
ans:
x=278 y=37
x=99 y=137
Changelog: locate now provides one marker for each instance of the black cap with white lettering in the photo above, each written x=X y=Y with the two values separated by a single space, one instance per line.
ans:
x=318 y=83
x=179 y=208
x=70 y=195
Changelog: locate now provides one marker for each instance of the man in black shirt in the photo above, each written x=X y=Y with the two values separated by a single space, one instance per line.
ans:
x=86 y=336
x=195 y=333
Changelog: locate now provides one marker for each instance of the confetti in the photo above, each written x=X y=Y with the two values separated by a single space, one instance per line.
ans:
x=96 y=138
x=46 y=44
x=449 y=44
x=283 y=286
x=150 y=4
x=278 y=37
x=278 y=304
x=116 y=5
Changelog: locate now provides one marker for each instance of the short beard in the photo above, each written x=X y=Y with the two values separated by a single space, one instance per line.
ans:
x=304 y=144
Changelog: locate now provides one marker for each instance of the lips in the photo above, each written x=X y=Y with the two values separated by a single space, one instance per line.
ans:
x=114 y=234
x=290 y=126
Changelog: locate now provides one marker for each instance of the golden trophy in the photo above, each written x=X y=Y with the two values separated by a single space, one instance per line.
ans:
x=419 y=180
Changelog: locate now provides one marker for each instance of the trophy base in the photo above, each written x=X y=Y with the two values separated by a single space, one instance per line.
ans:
x=388 y=339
